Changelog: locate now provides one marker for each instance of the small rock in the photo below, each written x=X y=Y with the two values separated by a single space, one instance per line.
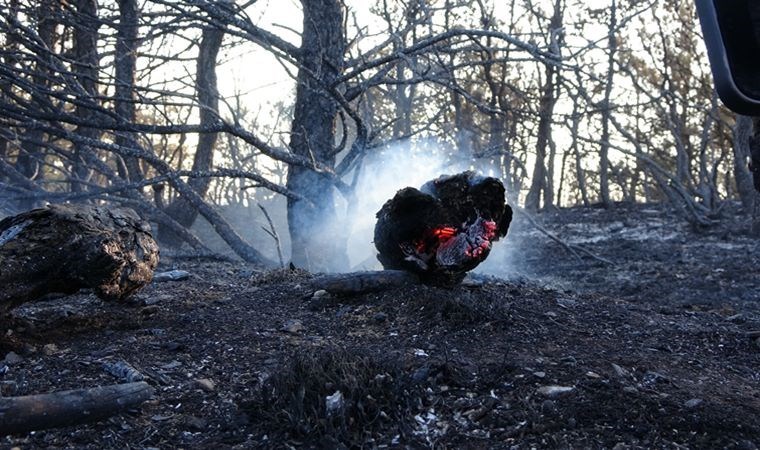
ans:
x=548 y=407
x=591 y=374
x=621 y=446
x=156 y=299
x=651 y=378
x=343 y=311
x=469 y=282
x=49 y=349
x=421 y=374
x=554 y=391
x=28 y=349
x=293 y=326
x=12 y=359
x=334 y=403
x=174 y=346
x=149 y=310
x=123 y=371
x=172 y=275
x=206 y=384
x=195 y=423
x=619 y=371
x=380 y=317
x=630 y=390
x=161 y=418
x=539 y=374
x=171 y=365
x=746 y=445
x=736 y=318
x=693 y=403
x=320 y=294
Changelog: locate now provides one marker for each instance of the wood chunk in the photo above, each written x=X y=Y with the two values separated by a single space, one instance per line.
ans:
x=64 y=248
x=59 y=409
x=361 y=282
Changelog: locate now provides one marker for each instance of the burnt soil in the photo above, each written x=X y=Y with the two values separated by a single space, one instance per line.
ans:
x=655 y=351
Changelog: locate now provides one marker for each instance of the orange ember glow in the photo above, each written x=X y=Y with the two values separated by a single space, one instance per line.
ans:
x=444 y=233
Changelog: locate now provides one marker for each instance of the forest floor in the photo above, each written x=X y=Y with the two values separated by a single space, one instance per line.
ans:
x=654 y=351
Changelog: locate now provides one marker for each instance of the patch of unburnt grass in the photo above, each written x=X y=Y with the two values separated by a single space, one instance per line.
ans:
x=336 y=396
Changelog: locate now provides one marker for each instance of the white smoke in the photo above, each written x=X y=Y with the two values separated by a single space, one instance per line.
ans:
x=383 y=174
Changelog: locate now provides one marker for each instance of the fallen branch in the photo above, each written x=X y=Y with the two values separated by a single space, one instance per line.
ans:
x=573 y=249
x=272 y=232
x=363 y=282
x=60 y=409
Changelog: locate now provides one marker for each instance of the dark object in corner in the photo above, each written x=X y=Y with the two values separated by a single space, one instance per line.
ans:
x=443 y=229
x=732 y=34
x=63 y=248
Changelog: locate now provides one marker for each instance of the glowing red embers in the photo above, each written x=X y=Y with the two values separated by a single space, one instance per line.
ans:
x=489 y=229
x=434 y=238
x=444 y=233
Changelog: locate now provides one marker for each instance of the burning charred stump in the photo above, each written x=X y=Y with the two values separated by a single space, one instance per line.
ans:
x=443 y=229
x=63 y=248
x=58 y=409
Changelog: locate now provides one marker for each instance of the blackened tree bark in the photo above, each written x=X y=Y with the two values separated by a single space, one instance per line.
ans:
x=86 y=26
x=31 y=153
x=604 y=149
x=545 y=114
x=742 y=175
x=125 y=64
x=207 y=93
x=313 y=136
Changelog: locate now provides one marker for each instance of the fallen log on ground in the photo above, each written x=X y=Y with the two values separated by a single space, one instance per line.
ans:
x=64 y=248
x=361 y=282
x=59 y=409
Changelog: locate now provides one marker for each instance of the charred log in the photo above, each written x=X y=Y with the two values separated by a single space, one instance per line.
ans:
x=362 y=282
x=64 y=248
x=39 y=412
x=443 y=229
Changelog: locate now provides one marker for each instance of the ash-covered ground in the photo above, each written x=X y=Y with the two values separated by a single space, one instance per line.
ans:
x=656 y=350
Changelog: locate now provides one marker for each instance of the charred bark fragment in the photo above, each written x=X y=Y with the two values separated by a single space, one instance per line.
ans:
x=58 y=409
x=63 y=248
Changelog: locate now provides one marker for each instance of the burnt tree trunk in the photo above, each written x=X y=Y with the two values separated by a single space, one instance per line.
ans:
x=604 y=150
x=754 y=152
x=125 y=64
x=741 y=146
x=207 y=93
x=313 y=136
x=63 y=248
x=39 y=412
x=31 y=152
x=86 y=54
x=545 y=114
